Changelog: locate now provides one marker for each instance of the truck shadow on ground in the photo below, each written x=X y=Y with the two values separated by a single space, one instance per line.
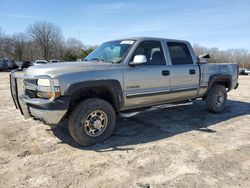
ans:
x=158 y=124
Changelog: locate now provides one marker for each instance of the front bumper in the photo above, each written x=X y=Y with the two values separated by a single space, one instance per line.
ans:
x=50 y=111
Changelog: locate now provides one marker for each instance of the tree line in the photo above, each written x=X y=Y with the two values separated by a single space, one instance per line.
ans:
x=238 y=56
x=42 y=40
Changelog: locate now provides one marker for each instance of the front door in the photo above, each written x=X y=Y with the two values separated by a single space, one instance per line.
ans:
x=147 y=83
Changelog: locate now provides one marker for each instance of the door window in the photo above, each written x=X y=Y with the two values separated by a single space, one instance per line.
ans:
x=179 y=53
x=153 y=52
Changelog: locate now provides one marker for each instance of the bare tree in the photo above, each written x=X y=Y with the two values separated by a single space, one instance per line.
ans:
x=46 y=35
x=20 y=43
x=1 y=43
x=240 y=56
x=8 y=47
x=32 y=51
x=1 y=34
x=74 y=46
x=73 y=49
x=58 y=50
x=199 y=50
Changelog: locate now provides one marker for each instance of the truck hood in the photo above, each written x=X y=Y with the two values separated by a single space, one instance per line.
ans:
x=54 y=69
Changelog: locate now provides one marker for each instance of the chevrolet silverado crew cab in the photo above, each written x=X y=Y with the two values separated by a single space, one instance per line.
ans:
x=120 y=77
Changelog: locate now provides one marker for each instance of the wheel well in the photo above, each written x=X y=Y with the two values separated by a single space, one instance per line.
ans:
x=95 y=92
x=225 y=81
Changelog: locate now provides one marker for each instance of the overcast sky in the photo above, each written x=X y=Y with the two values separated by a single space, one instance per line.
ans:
x=211 y=23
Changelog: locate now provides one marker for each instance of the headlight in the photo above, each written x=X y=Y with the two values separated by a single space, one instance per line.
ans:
x=46 y=82
x=44 y=89
x=43 y=82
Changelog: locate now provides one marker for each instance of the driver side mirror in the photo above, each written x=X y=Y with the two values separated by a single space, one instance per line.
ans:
x=138 y=60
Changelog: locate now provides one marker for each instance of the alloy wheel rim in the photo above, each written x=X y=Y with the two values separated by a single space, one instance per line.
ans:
x=219 y=99
x=95 y=123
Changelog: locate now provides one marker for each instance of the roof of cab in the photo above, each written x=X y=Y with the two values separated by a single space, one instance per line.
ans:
x=153 y=38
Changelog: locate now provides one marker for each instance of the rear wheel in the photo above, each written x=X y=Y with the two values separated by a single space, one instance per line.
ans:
x=216 y=98
x=92 y=121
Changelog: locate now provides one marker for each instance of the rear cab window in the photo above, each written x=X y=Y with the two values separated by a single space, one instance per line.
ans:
x=179 y=53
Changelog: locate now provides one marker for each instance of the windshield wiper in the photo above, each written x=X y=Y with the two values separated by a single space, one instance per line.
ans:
x=100 y=59
x=96 y=59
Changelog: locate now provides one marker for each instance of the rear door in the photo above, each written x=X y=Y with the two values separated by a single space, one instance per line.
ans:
x=184 y=72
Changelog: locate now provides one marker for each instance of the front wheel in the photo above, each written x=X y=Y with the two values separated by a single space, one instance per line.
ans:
x=216 y=98
x=92 y=121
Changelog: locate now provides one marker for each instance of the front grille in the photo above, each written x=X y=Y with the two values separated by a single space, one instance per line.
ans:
x=30 y=87
x=30 y=93
x=31 y=81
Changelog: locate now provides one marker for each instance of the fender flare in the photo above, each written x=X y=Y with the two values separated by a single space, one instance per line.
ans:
x=113 y=86
x=220 y=78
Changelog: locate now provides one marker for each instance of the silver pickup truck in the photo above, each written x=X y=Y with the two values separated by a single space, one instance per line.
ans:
x=121 y=77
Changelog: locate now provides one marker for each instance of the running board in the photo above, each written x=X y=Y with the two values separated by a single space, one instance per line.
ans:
x=170 y=105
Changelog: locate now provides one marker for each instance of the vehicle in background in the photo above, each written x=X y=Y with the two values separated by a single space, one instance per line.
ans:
x=25 y=65
x=7 y=64
x=244 y=71
x=54 y=61
x=2 y=65
x=80 y=60
x=19 y=63
x=40 y=62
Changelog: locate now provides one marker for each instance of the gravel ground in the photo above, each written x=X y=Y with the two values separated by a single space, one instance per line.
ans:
x=177 y=147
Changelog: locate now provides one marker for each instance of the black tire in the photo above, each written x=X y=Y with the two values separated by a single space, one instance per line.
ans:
x=82 y=122
x=216 y=98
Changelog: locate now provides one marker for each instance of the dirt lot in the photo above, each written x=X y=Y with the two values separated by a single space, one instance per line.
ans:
x=178 y=147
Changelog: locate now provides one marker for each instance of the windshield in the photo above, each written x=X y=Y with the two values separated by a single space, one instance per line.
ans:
x=41 y=62
x=113 y=52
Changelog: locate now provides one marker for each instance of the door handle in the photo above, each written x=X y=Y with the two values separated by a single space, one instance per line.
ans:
x=165 y=72
x=192 y=71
